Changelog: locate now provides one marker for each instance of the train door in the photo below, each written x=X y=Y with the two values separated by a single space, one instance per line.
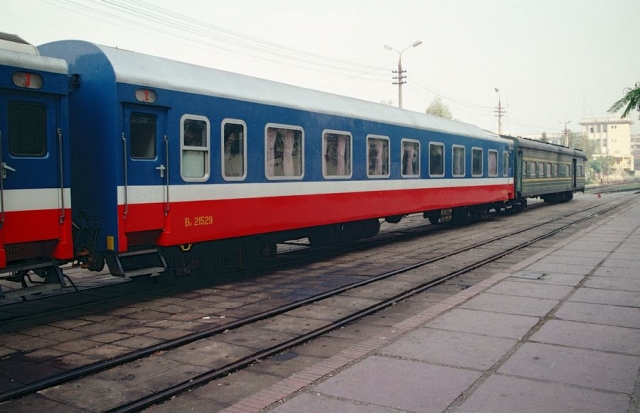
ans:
x=146 y=175
x=32 y=197
x=574 y=172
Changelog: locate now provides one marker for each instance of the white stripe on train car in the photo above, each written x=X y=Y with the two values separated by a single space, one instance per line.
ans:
x=143 y=194
x=35 y=199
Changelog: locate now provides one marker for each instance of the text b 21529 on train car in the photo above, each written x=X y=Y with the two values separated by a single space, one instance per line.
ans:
x=198 y=221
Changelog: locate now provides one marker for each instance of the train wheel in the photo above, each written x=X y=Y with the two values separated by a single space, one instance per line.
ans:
x=393 y=219
x=323 y=236
x=371 y=228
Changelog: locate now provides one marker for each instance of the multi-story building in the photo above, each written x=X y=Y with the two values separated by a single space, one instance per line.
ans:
x=635 y=150
x=612 y=137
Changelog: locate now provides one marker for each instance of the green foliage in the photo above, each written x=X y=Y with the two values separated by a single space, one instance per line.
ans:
x=631 y=99
x=437 y=108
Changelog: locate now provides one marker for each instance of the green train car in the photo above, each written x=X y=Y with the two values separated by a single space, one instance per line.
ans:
x=550 y=172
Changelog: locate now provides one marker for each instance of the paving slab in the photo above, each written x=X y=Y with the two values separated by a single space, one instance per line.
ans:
x=617 y=272
x=536 y=290
x=600 y=314
x=614 y=283
x=620 y=263
x=575 y=259
x=501 y=394
x=562 y=268
x=591 y=246
x=400 y=384
x=451 y=348
x=319 y=403
x=499 y=303
x=592 y=336
x=485 y=323
x=586 y=368
x=609 y=297
x=547 y=278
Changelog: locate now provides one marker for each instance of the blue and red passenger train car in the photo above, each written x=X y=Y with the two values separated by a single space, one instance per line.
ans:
x=179 y=168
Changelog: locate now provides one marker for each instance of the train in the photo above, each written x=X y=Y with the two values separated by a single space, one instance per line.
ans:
x=153 y=166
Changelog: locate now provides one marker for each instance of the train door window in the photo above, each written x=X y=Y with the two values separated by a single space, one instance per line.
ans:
x=547 y=172
x=505 y=163
x=493 y=162
x=234 y=150
x=476 y=162
x=540 y=169
x=436 y=160
x=194 y=138
x=336 y=162
x=377 y=156
x=554 y=170
x=569 y=173
x=284 y=152
x=27 y=129
x=457 y=161
x=143 y=136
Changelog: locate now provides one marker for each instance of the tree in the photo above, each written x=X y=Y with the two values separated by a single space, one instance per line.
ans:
x=543 y=138
x=631 y=99
x=437 y=108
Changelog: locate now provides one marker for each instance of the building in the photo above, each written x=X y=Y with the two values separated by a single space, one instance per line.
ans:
x=612 y=137
x=635 y=150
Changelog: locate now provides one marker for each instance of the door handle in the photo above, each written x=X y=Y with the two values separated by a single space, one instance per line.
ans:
x=161 y=168
x=6 y=167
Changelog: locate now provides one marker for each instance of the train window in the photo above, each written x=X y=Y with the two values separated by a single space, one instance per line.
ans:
x=563 y=172
x=554 y=170
x=27 y=129
x=457 y=162
x=436 y=159
x=336 y=162
x=234 y=150
x=410 y=158
x=194 y=143
x=547 y=171
x=143 y=136
x=505 y=163
x=493 y=162
x=569 y=170
x=540 y=169
x=377 y=156
x=476 y=162
x=284 y=152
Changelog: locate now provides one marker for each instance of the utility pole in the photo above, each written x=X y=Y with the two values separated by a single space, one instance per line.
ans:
x=401 y=72
x=400 y=81
x=566 y=133
x=499 y=112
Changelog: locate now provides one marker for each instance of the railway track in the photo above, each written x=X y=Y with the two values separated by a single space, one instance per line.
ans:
x=399 y=283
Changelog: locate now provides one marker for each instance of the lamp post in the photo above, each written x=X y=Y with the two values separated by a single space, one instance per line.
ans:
x=400 y=71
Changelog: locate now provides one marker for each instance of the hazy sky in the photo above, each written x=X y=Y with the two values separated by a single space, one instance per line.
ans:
x=553 y=61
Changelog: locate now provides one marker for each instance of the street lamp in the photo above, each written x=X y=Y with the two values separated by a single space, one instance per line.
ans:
x=400 y=77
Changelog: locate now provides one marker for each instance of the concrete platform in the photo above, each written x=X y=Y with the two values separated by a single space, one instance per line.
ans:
x=558 y=332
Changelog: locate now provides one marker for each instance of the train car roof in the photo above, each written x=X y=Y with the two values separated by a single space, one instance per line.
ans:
x=155 y=72
x=533 y=144
x=31 y=61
